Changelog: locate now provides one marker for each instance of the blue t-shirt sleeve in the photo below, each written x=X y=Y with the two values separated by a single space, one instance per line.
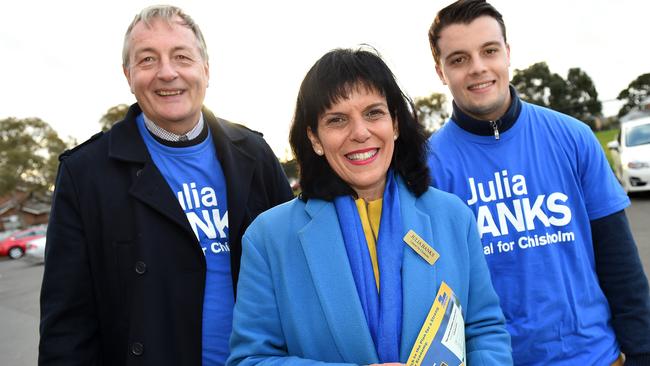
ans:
x=603 y=194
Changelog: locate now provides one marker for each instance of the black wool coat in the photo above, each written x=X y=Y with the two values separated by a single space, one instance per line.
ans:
x=124 y=273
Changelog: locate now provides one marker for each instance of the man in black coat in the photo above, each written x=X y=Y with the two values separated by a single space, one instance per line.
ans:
x=125 y=269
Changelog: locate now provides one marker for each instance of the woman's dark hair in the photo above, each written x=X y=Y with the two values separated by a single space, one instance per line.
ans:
x=332 y=78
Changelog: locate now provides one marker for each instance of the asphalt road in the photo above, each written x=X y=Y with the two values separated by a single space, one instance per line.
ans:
x=639 y=215
x=20 y=285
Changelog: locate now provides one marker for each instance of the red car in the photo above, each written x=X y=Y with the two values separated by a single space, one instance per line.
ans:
x=14 y=245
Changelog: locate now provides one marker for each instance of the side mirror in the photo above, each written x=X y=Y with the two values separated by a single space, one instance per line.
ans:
x=613 y=145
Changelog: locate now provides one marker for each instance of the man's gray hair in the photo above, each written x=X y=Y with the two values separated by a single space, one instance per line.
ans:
x=166 y=13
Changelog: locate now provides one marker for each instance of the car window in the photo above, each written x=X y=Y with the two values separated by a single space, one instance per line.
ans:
x=30 y=232
x=24 y=234
x=638 y=135
x=6 y=234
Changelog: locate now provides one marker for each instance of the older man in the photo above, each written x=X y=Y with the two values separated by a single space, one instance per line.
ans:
x=144 y=240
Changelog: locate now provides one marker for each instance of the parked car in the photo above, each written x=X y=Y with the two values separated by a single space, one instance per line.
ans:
x=35 y=251
x=631 y=155
x=14 y=246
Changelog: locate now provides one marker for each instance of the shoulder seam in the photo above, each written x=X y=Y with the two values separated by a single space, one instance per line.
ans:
x=69 y=152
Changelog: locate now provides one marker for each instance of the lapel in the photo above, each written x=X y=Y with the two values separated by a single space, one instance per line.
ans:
x=149 y=186
x=418 y=277
x=322 y=243
x=238 y=168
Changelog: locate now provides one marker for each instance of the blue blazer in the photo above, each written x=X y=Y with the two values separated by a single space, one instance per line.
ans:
x=297 y=302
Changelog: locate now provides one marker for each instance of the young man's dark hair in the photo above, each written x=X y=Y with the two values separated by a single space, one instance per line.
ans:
x=463 y=11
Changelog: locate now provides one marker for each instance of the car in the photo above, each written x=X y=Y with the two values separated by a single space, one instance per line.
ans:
x=14 y=246
x=631 y=155
x=35 y=252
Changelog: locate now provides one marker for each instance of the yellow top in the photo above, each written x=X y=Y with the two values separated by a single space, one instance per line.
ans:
x=370 y=214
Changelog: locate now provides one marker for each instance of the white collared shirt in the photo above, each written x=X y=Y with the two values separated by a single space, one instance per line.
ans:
x=170 y=136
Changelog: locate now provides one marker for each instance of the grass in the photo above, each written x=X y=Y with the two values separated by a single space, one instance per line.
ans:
x=604 y=137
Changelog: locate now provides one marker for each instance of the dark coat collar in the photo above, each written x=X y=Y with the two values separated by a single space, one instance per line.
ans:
x=125 y=142
x=484 y=128
x=150 y=187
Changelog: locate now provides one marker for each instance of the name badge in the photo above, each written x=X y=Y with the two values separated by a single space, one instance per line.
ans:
x=421 y=247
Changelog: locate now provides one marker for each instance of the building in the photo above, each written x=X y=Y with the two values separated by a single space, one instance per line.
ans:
x=23 y=208
x=643 y=110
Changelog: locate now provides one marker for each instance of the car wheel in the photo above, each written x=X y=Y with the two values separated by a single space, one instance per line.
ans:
x=16 y=252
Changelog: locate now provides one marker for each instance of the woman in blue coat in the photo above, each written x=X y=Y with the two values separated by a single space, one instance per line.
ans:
x=348 y=272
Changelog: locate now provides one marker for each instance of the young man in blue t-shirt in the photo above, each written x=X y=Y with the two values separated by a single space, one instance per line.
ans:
x=548 y=208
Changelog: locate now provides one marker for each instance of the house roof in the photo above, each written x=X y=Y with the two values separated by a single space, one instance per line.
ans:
x=31 y=203
x=635 y=114
x=643 y=110
x=36 y=208
x=7 y=205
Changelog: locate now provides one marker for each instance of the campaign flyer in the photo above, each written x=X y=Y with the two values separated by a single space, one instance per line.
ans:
x=441 y=341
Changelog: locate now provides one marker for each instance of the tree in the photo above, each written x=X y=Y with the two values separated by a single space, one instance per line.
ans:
x=431 y=111
x=582 y=97
x=29 y=150
x=634 y=94
x=290 y=168
x=575 y=96
x=533 y=83
x=113 y=115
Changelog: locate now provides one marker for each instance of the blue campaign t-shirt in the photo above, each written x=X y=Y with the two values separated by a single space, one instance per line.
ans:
x=534 y=192
x=197 y=181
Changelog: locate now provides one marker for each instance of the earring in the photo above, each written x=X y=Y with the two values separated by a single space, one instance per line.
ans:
x=395 y=137
x=319 y=152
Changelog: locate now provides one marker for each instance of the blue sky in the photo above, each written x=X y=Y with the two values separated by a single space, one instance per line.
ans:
x=64 y=65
